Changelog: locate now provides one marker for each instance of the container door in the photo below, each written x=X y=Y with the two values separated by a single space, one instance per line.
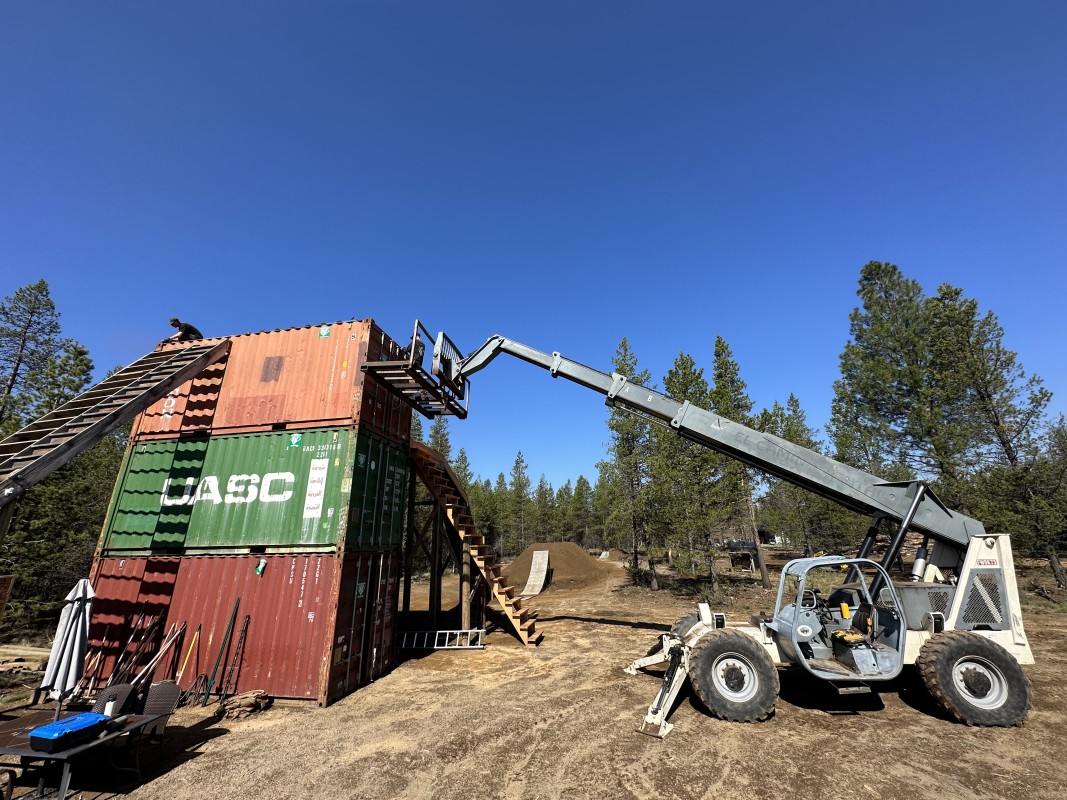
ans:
x=346 y=658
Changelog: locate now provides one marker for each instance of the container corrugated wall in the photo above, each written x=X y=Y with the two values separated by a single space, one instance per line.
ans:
x=277 y=476
x=318 y=628
x=292 y=378
x=364 y=639
x=303 y=490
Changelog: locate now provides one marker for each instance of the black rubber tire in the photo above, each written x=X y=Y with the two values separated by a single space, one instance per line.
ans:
x=974 y=679
x=733 y=676
x=682 y=626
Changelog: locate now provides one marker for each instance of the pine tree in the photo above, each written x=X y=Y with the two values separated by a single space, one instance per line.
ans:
x=799 y=514
x=734 y=490
x=629 y=451
x=544 y=512
x=505 y=517
x=928 y=390
x=29 y=339
x=462 y=468
x=416 y=428
x=564 y=516
x=683 y=474
x=520 y=502
x=63 y=377
x=439 y=439
x=581 y=513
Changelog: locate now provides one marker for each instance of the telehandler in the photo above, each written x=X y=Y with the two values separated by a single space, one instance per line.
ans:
x=956 y=617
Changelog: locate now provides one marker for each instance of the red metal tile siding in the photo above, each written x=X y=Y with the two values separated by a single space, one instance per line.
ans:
x=319 y=627
x=275 y=380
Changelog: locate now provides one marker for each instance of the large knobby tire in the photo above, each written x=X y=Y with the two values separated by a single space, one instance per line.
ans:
x=682 y=626
x=678 y=630
x=974 y=679
x=733 y=676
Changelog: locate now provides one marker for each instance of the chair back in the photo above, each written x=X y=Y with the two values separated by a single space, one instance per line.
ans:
x=120 y=693
x=162 y=699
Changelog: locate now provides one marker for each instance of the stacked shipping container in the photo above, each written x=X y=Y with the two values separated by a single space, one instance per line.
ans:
x=275 y=481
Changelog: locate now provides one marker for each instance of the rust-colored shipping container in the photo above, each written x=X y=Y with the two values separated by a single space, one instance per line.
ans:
x=291 y=378
x=319 y=626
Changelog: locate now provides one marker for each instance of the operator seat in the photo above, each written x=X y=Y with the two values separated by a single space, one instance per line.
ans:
x=861 y=632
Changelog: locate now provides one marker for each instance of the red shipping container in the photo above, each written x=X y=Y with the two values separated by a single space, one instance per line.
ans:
x=319 y=625
x=292 y=378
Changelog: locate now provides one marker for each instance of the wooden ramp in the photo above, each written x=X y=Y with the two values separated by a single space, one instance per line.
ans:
x=433 y=470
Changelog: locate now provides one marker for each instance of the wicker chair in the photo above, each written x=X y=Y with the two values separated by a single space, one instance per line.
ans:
x=162 y=699
x=121 y=693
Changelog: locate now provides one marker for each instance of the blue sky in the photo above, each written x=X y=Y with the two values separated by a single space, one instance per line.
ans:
x=563 y=173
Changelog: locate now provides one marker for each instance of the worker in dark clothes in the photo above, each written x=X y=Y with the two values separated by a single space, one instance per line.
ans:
x=186 y=332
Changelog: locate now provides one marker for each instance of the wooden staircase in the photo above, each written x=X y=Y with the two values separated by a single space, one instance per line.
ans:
x=433 y=470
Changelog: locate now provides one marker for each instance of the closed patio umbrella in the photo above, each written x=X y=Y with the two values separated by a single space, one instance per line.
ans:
x=67 y=659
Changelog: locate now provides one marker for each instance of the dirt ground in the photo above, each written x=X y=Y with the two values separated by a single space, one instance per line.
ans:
x=557 y=721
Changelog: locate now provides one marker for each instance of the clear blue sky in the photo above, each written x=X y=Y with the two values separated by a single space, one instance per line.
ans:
x=563 y=173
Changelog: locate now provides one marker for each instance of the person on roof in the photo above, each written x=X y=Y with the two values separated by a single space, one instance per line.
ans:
x=186 y=332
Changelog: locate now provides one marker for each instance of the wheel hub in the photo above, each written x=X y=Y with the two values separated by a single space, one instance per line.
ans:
x=980 y=682
x=977 y=682
x=734 y=678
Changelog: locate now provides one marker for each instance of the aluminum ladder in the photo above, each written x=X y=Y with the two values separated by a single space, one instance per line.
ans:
x=443 y=640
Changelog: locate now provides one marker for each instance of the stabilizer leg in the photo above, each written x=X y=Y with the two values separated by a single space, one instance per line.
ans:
x=655 y=721
x=648 y=661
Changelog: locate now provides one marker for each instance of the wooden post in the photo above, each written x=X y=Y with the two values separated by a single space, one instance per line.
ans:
x=435 y=566
x=465 y=586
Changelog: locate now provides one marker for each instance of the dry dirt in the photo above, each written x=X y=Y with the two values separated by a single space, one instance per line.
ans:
x=557 y=721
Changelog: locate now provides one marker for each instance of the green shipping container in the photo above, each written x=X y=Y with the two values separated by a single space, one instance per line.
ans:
x=266 y=492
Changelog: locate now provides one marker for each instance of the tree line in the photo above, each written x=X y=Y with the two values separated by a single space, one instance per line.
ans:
x=928 y=390
x=53 y=534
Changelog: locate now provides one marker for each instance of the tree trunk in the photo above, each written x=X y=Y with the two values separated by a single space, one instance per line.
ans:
x=716 y=588
x=1057 y=568
x=765 y=577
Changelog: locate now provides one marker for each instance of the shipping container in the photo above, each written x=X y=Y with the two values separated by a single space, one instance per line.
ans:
x=292 y=378
x=298 y=490
x=318 y=627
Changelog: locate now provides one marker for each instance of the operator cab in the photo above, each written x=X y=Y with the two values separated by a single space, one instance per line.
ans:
x=828 y=620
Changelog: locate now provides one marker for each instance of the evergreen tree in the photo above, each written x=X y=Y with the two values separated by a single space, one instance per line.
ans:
x=544 y=512
x=799 y=514
x=462 y=468
x=683 y=474
x=484 y=509
x=29 y=340
x=439 y=439
x=63 y=377
x=520 y=503
x=629 y=450
x=884 y=368
x=416 y=428
x=606 y=509
x=563 y=523
x=581 y=513
x=927 y=387
x=734 y=489
x=1029 y=498
x=504 y=515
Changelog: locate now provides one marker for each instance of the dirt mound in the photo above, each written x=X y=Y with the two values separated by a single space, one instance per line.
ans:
x=571 y=566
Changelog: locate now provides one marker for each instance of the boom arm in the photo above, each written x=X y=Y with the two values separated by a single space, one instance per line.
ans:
x=851 y=487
